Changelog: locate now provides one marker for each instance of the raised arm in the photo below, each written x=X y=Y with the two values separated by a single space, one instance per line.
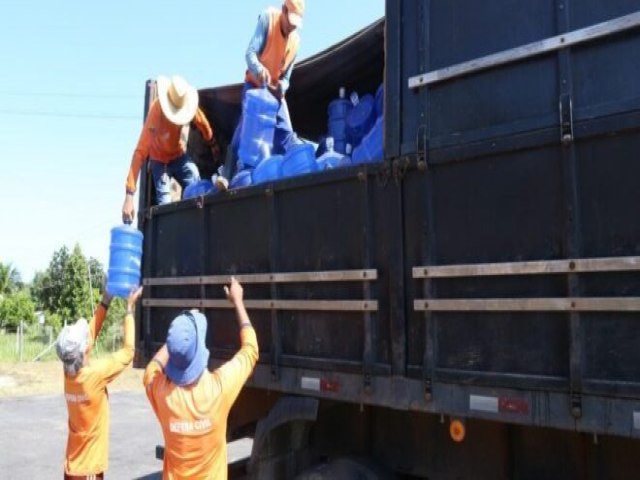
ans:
x=233 y=374
x=113 y=365
x=95 y=325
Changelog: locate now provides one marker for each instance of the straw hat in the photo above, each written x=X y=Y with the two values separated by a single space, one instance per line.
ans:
x=178 y=99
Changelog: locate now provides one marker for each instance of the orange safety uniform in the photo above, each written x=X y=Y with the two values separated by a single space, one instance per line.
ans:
x=194 y=417
x=88 y=403
x=279 y=52
x=160 y=140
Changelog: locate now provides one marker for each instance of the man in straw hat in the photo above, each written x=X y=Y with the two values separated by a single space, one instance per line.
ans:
x=85 y=390
x=191 y=403
x=270 y=58
x=161 y=141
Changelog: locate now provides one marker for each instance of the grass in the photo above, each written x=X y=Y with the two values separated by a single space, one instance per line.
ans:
x=35 y=343
x=32 y=346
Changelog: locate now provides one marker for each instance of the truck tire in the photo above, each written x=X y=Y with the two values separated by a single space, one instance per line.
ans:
x=346 y=469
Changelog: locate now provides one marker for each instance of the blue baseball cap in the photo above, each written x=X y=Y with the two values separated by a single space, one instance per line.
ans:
x=188 y=354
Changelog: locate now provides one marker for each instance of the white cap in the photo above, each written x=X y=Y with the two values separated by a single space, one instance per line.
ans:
x=73 y=341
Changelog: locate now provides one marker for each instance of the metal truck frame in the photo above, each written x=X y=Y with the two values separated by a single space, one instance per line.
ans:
x=467 y=308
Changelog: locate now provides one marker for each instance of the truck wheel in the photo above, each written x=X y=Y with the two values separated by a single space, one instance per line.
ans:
x=346 y=469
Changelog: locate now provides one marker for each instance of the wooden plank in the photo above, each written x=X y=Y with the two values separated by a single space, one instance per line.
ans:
x=603 y=304
x=309 y=305
x=290 y=277
x=540 y=47
x=541 y=267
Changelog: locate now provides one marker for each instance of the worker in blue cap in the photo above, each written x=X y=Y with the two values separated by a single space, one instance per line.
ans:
x=191 y=403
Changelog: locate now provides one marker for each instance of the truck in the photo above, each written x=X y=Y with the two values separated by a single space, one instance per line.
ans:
x=470 y=306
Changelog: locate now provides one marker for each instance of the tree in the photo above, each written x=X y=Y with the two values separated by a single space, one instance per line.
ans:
x=16 y=308
x=64 y=289
x=97 y=273
x=10 y=280
x=47 y=286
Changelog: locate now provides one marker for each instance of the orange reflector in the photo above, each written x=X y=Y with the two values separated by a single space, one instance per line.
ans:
x=457 y=430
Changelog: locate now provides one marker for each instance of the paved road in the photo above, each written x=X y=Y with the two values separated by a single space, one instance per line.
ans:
x=33 y=437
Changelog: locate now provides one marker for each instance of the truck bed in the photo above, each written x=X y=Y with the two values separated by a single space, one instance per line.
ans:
x=488 y=268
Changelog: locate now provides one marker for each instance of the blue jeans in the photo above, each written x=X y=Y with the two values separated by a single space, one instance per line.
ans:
x=283 y=137
x=182 y=169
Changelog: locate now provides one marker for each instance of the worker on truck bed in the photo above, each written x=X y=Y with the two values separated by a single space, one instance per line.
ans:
x=161 y=141
x=191 y=403
x=270 y=58
x=85 y=390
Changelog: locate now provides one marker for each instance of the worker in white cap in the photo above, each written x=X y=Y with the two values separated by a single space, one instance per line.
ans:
x=85 y=390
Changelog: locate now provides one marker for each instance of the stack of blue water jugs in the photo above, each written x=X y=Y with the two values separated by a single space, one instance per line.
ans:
x=259 y=109
x=356 y=124
x=369 y=147
x=338 y=111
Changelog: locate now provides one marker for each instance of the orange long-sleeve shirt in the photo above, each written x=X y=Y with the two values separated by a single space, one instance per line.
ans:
x=160 y=140
x=88 y=403
x=194 y=418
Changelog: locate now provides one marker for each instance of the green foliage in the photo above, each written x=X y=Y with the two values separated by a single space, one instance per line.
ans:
x=116 y=312
x=55 y=320
x=15 y=308
x=10 y=280
x=66 y=290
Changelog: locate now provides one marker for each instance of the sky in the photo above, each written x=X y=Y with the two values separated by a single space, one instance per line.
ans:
x=72 y=99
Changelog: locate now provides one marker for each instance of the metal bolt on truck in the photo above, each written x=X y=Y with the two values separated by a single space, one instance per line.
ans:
x=470 y=306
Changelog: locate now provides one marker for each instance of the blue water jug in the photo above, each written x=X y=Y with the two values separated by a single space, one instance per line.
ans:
x=371 y=149
x=125 y=254
x=259 y=110
x=330 y=159
x=268 y=170
x=201 y=187
x=380 y=100
x=337 y=126
x=299 y=160
x=361 y=118
x=241 y=179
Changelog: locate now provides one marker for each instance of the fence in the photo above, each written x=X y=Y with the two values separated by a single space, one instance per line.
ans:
x=35 y=343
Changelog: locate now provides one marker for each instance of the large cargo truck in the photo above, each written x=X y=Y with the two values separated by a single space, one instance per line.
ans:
x=468 y=308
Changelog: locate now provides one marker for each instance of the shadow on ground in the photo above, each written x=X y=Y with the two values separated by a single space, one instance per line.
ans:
x=151 y=476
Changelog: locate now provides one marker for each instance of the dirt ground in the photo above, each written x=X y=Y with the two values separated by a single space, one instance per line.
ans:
x=33 y=378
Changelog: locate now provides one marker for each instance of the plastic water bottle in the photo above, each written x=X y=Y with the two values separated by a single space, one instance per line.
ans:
x=361 y=118
x=371 y=149
x=259 y=110
x=201 y=187
x=299 y=160
x=346 y=160
x=241 y=179
x=269 y=169
x=330 y=159
x=125 y=255
x=337 y=126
